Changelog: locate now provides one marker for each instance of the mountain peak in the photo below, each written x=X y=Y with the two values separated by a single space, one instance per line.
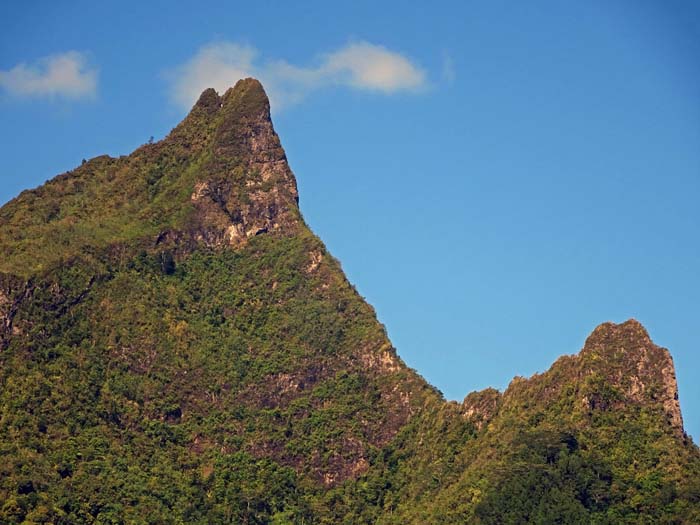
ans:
x=209 y=100
x=219 y=178
x=247 y=98
x=249 y=94
x=631 y=331
x=619 y=369
x=247 y=187
x=640 y=370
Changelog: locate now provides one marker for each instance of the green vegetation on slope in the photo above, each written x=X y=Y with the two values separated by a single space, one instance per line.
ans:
x=229 y=369
x=177 y=347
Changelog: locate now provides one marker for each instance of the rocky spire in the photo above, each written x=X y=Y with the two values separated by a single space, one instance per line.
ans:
x=245 y=186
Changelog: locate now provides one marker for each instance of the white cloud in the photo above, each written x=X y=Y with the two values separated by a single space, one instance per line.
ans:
x=62 y=75
x=215 y=65
x=366 y=66
x=358 y=65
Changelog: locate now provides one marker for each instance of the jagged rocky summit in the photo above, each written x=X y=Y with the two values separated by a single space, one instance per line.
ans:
x=176 y=346
x=621 y=358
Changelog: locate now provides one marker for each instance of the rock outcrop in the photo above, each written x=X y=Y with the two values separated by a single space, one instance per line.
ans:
x=480 y=407
x=12 y=291
x=639 y=371
x=249 y=188
x=619 y=368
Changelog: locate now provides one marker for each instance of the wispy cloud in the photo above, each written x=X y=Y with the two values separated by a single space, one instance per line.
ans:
x=448 y=69
x=358 y=65
x=65 y=75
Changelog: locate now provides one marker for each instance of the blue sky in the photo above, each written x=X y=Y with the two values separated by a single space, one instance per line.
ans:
x=497 y=178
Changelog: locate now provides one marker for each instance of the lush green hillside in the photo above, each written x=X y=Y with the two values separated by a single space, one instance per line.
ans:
x=177 y=347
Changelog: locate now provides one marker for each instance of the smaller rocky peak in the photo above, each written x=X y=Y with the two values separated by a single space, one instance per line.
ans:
x=480 y=407
x=246 y=99
x=209 y=102
x=631 y=335
x=625 y=358
x=194 y=133
x=242 y=111
x=244 y=131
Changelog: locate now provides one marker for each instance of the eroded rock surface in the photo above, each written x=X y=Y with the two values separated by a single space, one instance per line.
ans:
x=249 y=188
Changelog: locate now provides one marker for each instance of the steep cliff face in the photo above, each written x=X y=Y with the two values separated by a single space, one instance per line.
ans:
x=176 y=346
x=623 y=358
x=12 y=292
x=247 y=187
